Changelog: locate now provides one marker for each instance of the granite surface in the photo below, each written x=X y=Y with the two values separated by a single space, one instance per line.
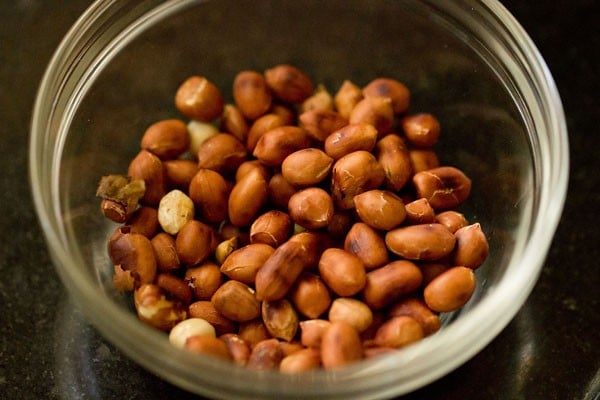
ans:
x=551 y=350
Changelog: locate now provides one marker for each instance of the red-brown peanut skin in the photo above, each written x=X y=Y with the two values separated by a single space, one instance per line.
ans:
x=443 y=187
x=392 y=154
x=419 y=212
x=422 y=130
x=223 y=153
x=243 y=264
x=273 y=228
x=278 y=143
x=387 y=87
x=453 y=220
x=350 y=138
x=340 y=345
x=166 y=139
x=194 y=242
x=399 y=332
x=246 y=199
x=206 y=310
x=343 y=272
x=198 y=98
x=427 y=242
x=167 y=259
x=266 y=354
x=134 y=253
x=367 y=244
x=310 y=295
x=148 y=167
x=312 y=330
x=417 y=309
x=288 y=83
x=208 y=345
x=311 y=208
x=353 y=174
x=204 y=279
x=144 y=221
x=179 y=173
x=260 y=126
x=301 y=361
x=472 y=247
x=251 y=94
x=450 y=290
x=387 y=284
x=209 y=191
x=380 y=209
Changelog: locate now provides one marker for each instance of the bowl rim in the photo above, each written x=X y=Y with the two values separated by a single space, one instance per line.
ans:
x=178 y=368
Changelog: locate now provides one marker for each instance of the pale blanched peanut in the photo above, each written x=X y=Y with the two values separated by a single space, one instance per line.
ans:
x=471 y=246
x=367 y=244
x=450 y=290
x=443 y=187
x=343 y=272
x=311 y=208
x=199 y=132
x=154 y=309
x=175 y=210
x=387 y=284
x=380 y=209
x=427 y=242
x=190 y=327
x=352 y=311
x=340 y=345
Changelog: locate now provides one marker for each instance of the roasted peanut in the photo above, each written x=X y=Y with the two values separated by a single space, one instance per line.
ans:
x=248 y=166
x=222 y=153
x=175 y=287
x=285 y=112
x=450 y=290
x=272 y=228
x=236 y=301
x=243 y=264
x=380 y=209
x=352 y=311
x=311 y=208
x=251 y=94
x=396 y=91
x=204 y=280
x=134 y=253
x=265 y=355
x=144 y=221
x=419 y=212
x=387 y=284
x=320 y=123
x=353 y=174
x=280 y=191
x=260 y=126
x=346 y=98
x=288 y=83
x=225 y=248
x=349 y=138
x=253 y=332
x=453 y=220
x=310 y=295
x=392 y=154
x=343 y=272
x=209 y=191
x=367 y=244
x=238 y=348
x=194 y=242
x=278 y=143
x=306 y=167
x=246 y=198
x=279 y=272
x=200 y=99
x=443 y=187
x=423 y=159
x=208 y=345
x=206 y=310
x=166 y=139
x=311 y=331
x=179 y=173
x=301 y=361
x=199 y=132
x=399 y=332
x=432 y=269
x=422 y=130
x=123 y=280
x=340 y=345
x=148 y=167
x=418 y=310
x=426 y=242
x=280 y=318
x=320 y=99
x=377 y=111
x=232 y=121
x=471 y=246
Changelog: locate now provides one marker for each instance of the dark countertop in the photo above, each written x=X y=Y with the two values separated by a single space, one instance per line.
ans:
x=551 y=350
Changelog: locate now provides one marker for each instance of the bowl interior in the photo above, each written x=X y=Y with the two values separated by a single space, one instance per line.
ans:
x=135 y=65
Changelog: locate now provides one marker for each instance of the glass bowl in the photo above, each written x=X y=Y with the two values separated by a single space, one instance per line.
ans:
x=467 y=62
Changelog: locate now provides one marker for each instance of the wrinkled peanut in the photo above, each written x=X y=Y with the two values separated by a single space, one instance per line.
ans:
x=155 y=309
x=443 y=187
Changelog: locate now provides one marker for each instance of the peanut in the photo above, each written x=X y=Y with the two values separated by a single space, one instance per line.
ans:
x=311 y=208
x=367 y=244
x=422 y=130
x=306 y=167
x=426 y=242
x=198 y=98
x=443 y=187
x=166 y=139
x=387 y=284
x=471 y=246
x=244 y=263
x=450 y=290
x=272 y=228
x=349 y=138
x=175 y=210
x=251 y=94
x=343 y=272
x=396 y=91
x=288 y=83
x=340 y=345
x=380 y=209
x=236 y=301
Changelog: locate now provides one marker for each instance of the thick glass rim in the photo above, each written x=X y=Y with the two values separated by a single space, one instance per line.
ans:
x=389 y=375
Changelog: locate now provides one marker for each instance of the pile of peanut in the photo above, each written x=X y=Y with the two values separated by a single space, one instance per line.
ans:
x=292 y=229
